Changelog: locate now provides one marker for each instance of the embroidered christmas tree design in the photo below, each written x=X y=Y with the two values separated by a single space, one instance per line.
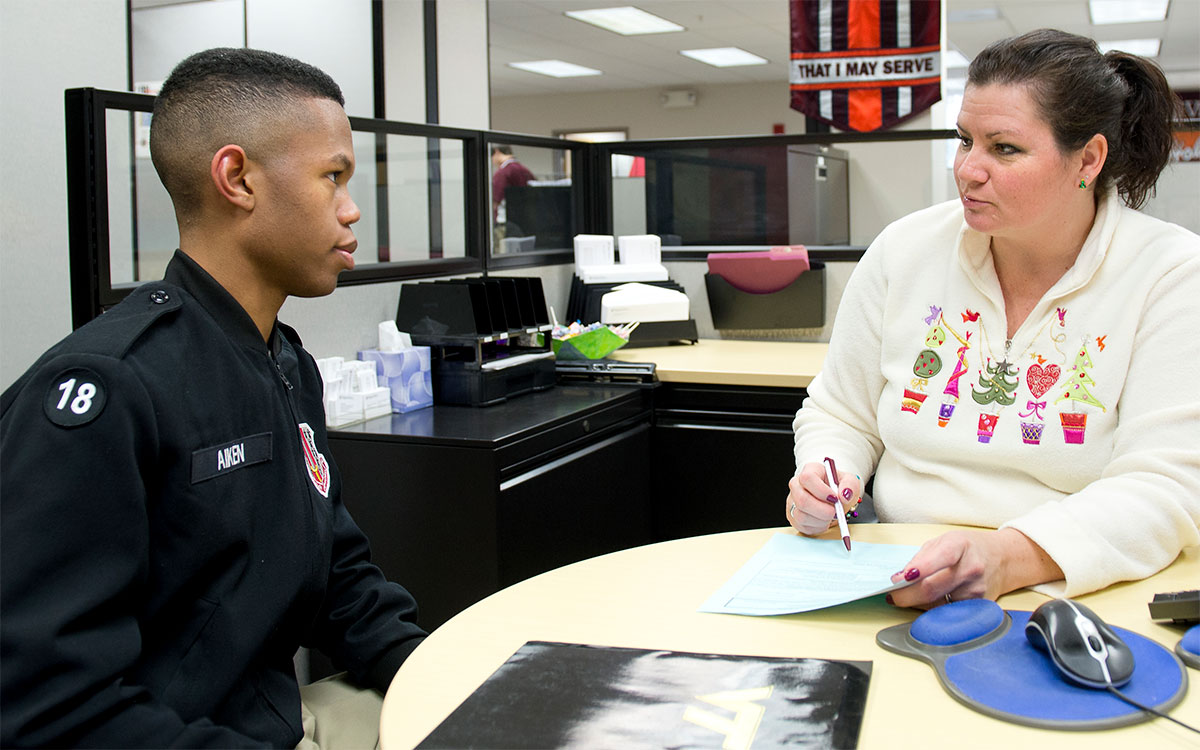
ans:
x=927 y=365
x=999 y=382
x=1074 y=424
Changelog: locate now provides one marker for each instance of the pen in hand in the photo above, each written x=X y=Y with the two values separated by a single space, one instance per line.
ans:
x=830 y=473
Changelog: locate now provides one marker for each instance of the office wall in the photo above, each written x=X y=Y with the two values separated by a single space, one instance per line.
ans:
x=463 y=83
x=166 y=34
x=1177 y=195
x=740 y=109
x=45 y=47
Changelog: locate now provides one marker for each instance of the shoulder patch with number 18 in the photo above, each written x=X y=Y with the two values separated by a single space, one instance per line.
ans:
x=75 y=397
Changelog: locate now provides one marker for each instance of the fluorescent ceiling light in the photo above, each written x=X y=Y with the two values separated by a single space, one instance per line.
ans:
x=1127 y=11
x=724 y=57
x=555 y=68
x=1142 y=47
x=625 y=20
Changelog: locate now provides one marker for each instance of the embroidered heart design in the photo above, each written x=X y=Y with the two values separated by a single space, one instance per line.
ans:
x=1041 y=378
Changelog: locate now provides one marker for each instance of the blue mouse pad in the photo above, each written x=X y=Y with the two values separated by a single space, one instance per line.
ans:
x=982 y=658
x=1188 y=648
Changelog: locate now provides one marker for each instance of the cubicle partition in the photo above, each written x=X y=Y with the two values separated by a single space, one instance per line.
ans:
x=428 y=208
x=423 y=191
x=733 y=193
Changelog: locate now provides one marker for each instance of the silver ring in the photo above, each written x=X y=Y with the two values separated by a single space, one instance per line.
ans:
x=948 y=599
x=791 y=509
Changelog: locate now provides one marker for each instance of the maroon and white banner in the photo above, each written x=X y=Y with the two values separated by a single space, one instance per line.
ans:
x=865 y=64
x=1187 y=132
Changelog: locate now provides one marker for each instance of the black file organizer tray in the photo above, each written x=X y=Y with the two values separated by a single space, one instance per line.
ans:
x=584 y=304
x=471 y=326
x=663 y=332
x=800 y=304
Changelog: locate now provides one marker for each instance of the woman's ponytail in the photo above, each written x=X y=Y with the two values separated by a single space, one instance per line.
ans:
x=1144 y=144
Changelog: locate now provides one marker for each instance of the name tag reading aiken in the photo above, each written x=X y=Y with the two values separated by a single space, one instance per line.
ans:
x=222 y=459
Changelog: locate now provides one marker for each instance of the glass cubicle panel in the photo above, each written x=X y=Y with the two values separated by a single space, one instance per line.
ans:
x=412 y=193
x=534 y=199
x=141 y=218
x=418 y=182
x=738 y=194
x=418 y=187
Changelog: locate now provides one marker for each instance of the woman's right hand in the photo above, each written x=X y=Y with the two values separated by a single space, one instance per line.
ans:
x=810 y=500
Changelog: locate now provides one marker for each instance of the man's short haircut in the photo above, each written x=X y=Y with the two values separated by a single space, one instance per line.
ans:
x=225 y=96
x=502 y=148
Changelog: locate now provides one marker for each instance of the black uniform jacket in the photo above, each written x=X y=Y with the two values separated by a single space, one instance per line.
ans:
x=172 y=531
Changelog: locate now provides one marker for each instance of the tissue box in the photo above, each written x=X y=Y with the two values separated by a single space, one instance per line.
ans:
x=407 y=374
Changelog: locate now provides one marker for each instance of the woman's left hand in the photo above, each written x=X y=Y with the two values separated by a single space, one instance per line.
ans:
x=972 y=564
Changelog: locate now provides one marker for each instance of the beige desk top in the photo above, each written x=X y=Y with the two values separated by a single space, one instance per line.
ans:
x=647 y=598
x=728 y=362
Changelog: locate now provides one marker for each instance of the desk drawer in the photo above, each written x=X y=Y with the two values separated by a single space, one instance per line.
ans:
x=588 y=502
x=722 y=457
x=729 y=399
x=564 y=436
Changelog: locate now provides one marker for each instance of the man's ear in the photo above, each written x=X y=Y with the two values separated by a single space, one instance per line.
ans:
x=228 y=171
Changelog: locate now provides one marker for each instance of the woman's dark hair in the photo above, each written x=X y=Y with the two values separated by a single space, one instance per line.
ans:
x=1081 y=92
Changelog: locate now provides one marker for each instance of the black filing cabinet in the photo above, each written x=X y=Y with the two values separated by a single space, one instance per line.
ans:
x=722 y=457
x=460 y=501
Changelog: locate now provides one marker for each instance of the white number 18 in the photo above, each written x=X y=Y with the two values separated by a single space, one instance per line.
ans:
x=83 y=397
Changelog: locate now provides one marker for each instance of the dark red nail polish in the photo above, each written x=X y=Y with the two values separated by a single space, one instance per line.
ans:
x=831 y=500
x=912 y=574
x=847 y=493
x=890 y=600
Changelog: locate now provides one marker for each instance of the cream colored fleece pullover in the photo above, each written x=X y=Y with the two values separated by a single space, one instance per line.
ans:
x=1082 y=432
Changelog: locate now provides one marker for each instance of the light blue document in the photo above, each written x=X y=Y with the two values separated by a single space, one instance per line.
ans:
x=794 y=573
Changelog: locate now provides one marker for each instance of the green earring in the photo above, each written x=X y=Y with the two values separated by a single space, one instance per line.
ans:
x=1083 y=184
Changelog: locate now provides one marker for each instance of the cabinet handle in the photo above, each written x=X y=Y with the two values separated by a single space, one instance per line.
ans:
x=725 y=428
x=562 y=460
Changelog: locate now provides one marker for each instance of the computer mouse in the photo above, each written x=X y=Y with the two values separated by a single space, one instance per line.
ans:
x=1083 y=647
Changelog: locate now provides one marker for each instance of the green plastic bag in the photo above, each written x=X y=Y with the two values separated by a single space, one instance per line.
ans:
x=596 y=344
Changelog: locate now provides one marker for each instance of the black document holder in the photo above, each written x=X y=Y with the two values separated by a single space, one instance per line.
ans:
x=800 y=304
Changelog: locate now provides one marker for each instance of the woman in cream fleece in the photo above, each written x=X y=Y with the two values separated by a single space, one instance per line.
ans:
x=1026 y=359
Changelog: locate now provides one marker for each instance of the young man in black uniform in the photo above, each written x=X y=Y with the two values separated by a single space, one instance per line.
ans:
x=172 y=527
